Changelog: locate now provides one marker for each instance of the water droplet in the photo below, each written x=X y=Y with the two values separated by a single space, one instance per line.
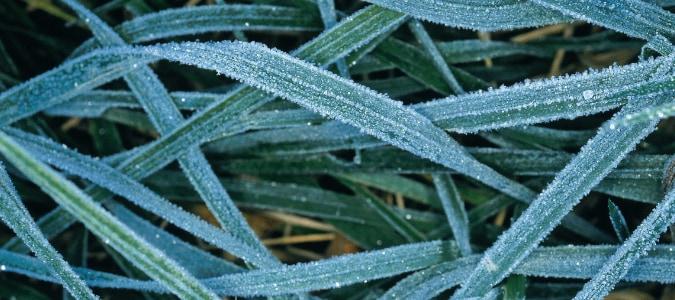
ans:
x=588 y=94
x=3 y=268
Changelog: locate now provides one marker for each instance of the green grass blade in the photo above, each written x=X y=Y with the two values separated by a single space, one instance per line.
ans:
x=515 y=286
x=340 y=40
x=329 y=18
x=155 y=100
x=103 y=224
x=420 y=66
x=454 y=211
x=632 y=17
x=482 y=16
x=642 y=240
x=618 y=221
x=105 y=176
x=427 y=43
x=388 y=120
x=438 y=270
x=16 y=216
x=198 y=262
x=330 y=273
x=400 y=224
x=595 y=160
x=570 y=262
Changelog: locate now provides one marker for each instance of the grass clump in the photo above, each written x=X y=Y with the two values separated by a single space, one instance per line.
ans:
x=337 y=149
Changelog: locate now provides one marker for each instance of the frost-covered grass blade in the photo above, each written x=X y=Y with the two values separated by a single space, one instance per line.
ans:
x=151 y=260
x=15 y=215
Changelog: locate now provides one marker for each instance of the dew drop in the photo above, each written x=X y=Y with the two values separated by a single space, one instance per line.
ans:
x=588 y=94
x=3 y=268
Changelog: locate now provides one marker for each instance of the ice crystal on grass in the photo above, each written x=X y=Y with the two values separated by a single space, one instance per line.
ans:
x=370 y=159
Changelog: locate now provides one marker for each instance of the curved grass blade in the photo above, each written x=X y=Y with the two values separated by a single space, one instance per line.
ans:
x=618 y=221
x=340 y=40
x=632 y=17
x=107 y=177
x=409 y=131
x=595 y=160
x=152 y=261
x=642 y=240
x=335 y=272
x=454 y=211
x=332 y=96
x=16 y=216
x=155 y=100
x=481 y=16
x=522 y=104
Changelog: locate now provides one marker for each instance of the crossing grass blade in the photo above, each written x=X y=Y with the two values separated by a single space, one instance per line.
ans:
x=149 y=259
x=115 y=181
x=642 y=240
x=595 y=160
x=16 y=216
x=155 y=99
x=340 y=40
x=626 y=16
x=571 y=262
x=357 y=149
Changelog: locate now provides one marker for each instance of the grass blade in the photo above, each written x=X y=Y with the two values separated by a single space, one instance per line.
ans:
x=595 y=160
x=515 y=286
x=642 y=240
x=16 y=216
x=627 y=16
x=559 y=262
x=345 y=37
x=210 y=18
x=483 y=16
x=618 y=221
x=155 y=99
x=387 y=119
x=104 y=225
x=427 y=43
x=454 y=211
x=107 y=177
x=328 y=16
x=401 y=225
